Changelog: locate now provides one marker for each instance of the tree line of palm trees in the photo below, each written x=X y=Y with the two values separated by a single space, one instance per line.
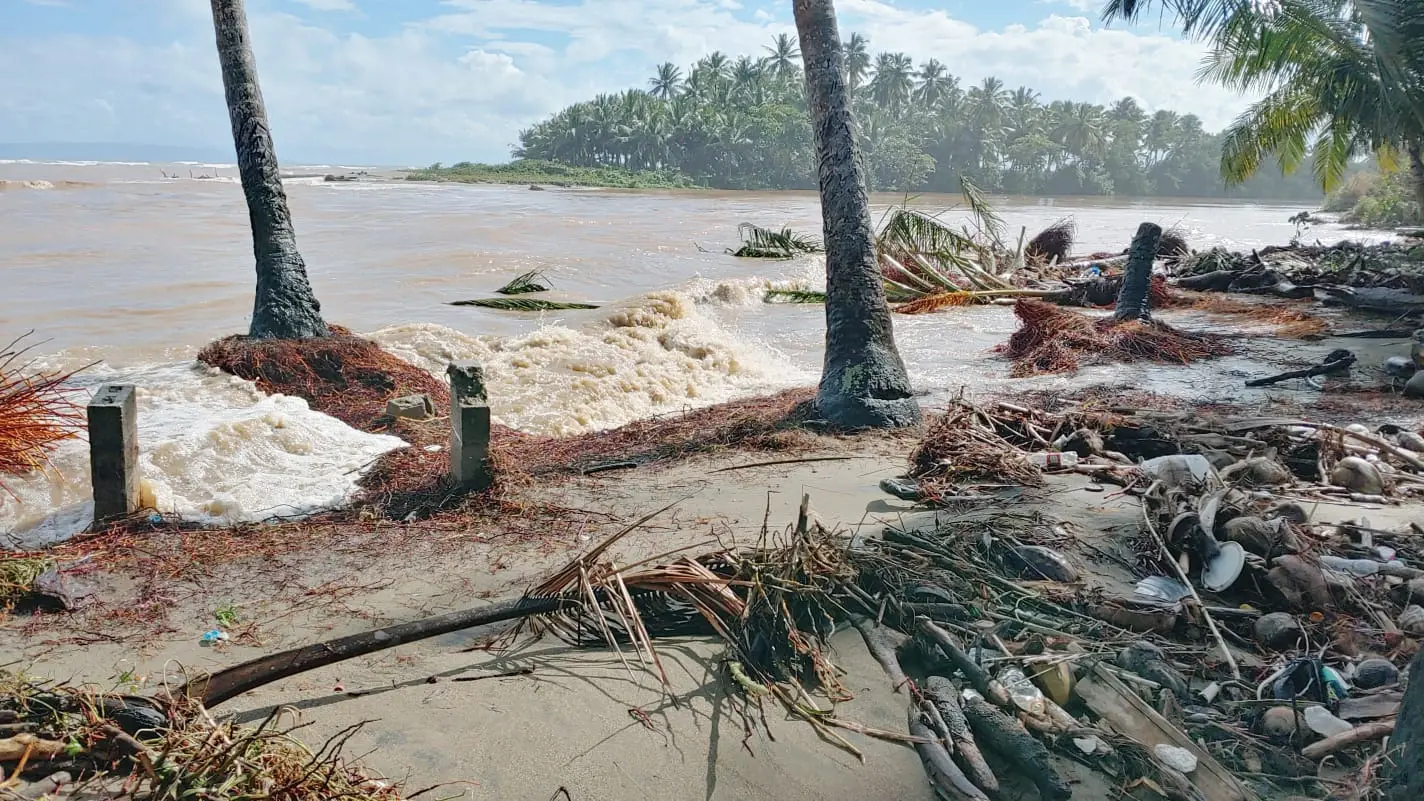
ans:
x=742 y=123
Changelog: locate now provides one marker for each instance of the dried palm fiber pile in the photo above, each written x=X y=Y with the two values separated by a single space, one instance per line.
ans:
x=964 y=446
x=144 y=749
x=1290 y=321
x=414 y=481
x=1052 y=340
x=343 y=375
x=37 y=412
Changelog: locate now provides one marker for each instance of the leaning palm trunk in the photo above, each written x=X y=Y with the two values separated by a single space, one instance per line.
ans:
x=863 y=381
x=285 y=307
x=1133 y=300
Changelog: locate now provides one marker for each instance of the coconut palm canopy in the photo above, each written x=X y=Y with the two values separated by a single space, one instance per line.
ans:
x=1341 y=78
x=742 y=122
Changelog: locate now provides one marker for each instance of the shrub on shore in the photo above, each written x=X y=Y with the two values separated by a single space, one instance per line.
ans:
x=534 y=172
x=1376 y=200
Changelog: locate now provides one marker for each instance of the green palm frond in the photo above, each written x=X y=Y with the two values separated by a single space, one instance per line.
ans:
x=532 y=281
x=794 y=296
x=764 y=243
x=981 y=212
x=523 y=304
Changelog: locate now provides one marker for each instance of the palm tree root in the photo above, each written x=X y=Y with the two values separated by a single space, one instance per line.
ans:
x=1053 y=340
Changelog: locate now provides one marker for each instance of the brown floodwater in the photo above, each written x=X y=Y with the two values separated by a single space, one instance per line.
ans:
x=120 y=265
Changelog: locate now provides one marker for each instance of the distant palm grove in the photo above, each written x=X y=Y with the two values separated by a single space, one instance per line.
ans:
x=742 y=124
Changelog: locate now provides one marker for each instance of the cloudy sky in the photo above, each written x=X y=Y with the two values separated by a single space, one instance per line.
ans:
x=400 y=82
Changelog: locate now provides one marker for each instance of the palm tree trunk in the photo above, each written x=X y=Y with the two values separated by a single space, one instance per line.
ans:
x=863 y=380
x=285 y=307
x=1404 y=772
x=1133 y=300
x=1416 y=172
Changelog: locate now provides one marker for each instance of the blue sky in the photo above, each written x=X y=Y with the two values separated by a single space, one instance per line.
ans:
x=414 y=81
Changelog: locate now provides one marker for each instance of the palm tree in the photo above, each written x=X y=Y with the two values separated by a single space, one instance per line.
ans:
x=667 y=83
x=285 y=306
x=715 y=64
x=863 y=380
x=857 y=57
x=1080 y=130
x=1345 y=76
x=894 y=81
x=935 y=83
x=782 y=55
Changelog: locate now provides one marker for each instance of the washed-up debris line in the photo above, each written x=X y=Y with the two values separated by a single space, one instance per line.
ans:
x=1238 y=644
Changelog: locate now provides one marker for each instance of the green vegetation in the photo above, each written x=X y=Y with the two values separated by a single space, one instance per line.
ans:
x=742 y=123
x=1341 y=79
x=532 y=171
x=763 y=243
x=1376 y=200
x=523 y=304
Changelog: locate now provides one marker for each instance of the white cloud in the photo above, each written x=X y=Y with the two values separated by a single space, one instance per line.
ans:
x=1085 y=6
x=328 y=5
x=461 y=84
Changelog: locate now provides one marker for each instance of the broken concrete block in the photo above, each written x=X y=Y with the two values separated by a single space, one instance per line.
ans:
x=411 y=407
x=469 y=426
x=113 y=451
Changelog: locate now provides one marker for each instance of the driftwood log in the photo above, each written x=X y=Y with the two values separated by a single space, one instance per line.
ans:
x=1336 y=362
x=977 y=676
x=943 y=696
x=946 y=776
x=225 y=684
x=1008 y=737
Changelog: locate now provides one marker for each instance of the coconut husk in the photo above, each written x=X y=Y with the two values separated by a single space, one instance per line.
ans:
x=1053 y=243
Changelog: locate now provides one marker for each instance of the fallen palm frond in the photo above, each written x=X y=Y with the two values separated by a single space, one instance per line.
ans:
x=764 y=243
x=794 y=296
x=18 y=576
x=37 y=412
x=1052 y=244
x=962 y=447
x=1051 y=340
x=921 y=255
x=532 y=281
x=114 y=745
x=523 y=304
x=933 y=303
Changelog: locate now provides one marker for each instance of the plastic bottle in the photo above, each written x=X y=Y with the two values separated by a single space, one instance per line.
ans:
x=1053 y=460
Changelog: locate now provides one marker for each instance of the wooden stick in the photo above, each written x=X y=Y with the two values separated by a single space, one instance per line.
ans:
x=977 y=676
x=1359 y=734
x=881 y=650
x=945 y=699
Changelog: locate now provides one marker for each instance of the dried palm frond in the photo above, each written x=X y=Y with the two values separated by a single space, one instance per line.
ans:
x=933 y=303
x=764 y=243
x=794 y=296
x=523 y=304
x=963 y=446
x=1053 y=243
x=532 y=281
x=1173 y=247
x=37 y=411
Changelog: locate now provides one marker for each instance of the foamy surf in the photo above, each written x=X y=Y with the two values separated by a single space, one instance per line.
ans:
x=212 y=449
x=652 y=355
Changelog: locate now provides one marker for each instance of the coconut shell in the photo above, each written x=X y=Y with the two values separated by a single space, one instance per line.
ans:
x=1375 y=672
x=1280 y=723
x=1035 y=562
x=1277 y=631
x=1261 y=471
x=1300 y=583
x=1357 y=475
x=1289 y=510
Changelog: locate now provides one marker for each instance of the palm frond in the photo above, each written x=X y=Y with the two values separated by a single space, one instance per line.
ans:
x=794 y=296
x=523 y=304
x=532 y=281
x=764 y=243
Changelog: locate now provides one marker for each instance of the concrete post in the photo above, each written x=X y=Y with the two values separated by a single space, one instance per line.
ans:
x=113 y=451
x=469 y=426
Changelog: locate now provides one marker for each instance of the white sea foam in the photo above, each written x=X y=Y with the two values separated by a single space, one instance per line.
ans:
x=651 y=355
x=211 y=448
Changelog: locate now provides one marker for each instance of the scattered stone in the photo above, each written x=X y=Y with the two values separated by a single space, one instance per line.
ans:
x=1410 y=440
x=1258 y=472
x=1375 y=672
x=1277 y=631
x=411 y=407
x=1150 y=662
x=1411 y=620
x=1414 y=387
x=1358 y=475
x=1176 y=758
x=1301 y=583
x=1289 y=510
